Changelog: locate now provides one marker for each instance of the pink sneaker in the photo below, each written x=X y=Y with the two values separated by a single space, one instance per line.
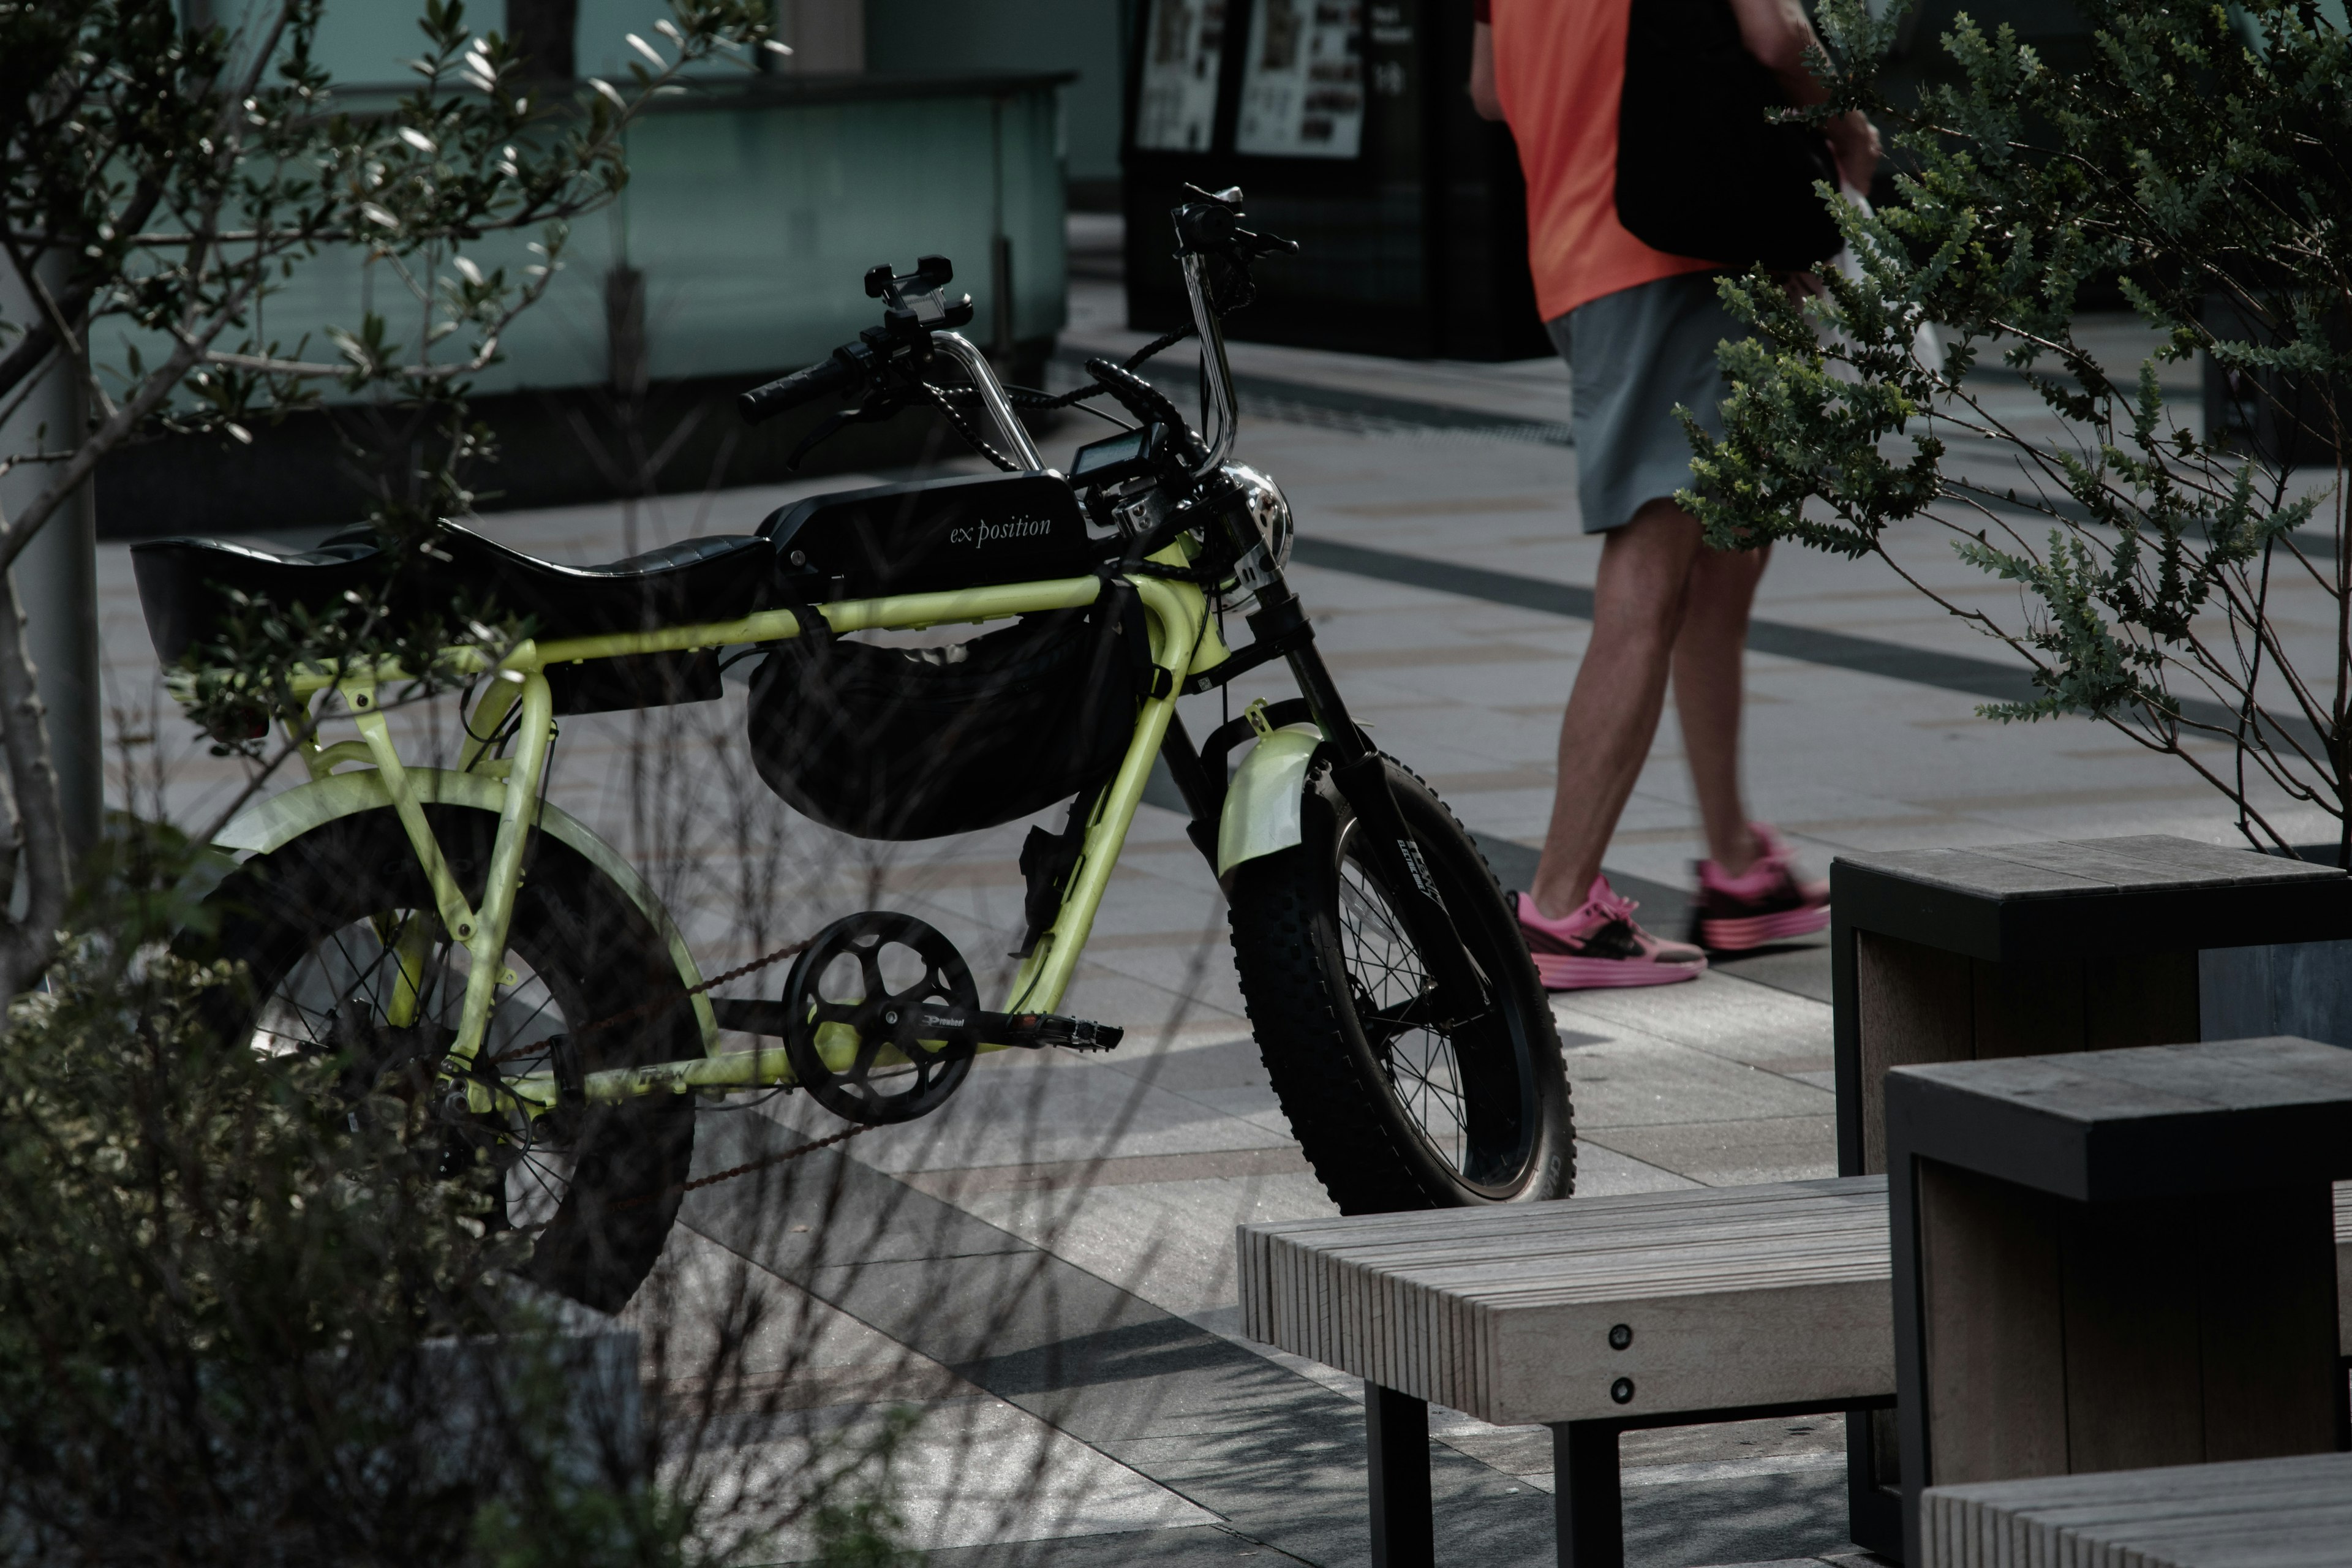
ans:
x=1767 y=902
x=1600 y=945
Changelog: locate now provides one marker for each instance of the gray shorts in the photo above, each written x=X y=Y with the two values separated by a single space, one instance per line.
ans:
x=1632 y=356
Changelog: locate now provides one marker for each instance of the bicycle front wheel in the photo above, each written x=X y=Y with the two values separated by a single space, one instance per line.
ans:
x=1393 y=1111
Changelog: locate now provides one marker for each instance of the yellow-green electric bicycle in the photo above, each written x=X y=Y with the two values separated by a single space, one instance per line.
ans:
x=447 y=925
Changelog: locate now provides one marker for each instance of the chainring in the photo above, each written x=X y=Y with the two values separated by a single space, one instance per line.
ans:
x=909 y=1049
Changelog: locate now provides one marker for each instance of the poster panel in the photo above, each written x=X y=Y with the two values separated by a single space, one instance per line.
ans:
x=1176 y=110
x=1303 y=82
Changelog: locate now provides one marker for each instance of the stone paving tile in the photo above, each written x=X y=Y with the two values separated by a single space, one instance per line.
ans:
x=973 y=1472
x=1717 y=1013
x=1171 y=1242
x=1733 y=1153
x=1632 y=1079
x=1669 y=1455
x=1604 y=1173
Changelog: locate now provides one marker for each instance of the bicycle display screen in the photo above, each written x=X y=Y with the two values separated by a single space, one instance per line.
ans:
x=1114 y=458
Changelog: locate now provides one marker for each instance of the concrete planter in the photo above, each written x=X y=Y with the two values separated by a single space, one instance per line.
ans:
x=465 y=1397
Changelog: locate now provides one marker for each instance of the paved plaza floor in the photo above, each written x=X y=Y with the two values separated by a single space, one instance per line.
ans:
x=1044 y=1270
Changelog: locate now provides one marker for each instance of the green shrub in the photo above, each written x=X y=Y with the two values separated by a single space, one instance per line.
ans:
x=2201 y=169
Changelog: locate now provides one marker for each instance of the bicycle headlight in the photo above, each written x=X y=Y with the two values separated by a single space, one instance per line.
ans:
x=1269 y=509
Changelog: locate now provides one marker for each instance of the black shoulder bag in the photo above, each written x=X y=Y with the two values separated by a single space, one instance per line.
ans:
x=1700 y=171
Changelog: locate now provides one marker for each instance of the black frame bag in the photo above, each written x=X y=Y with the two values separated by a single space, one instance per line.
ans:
x=1700 y=171
x=900 y=743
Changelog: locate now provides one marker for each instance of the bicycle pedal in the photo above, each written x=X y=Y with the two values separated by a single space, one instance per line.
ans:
x=1036 y=1030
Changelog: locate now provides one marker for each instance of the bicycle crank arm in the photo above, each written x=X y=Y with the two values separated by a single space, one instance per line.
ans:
x=1026 y=1030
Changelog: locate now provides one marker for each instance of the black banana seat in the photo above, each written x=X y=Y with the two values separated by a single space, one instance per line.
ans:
x=188 y=589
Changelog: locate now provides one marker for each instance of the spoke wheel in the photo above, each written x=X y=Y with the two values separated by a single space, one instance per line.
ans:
x=344 y=958
x=383 y=995
x=1396 y=1107
x=1386 y=987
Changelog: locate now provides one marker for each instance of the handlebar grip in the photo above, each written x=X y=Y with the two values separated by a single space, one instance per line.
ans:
x=824 y=379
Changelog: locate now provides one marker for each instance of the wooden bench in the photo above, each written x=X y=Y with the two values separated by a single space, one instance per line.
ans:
x=2116 y=1259
x=1941 y=955
x=1594 y=1317
x=2256 y=1513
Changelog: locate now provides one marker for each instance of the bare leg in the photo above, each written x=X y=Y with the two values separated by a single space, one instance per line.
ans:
x=1621 y=689
x=1707 y=696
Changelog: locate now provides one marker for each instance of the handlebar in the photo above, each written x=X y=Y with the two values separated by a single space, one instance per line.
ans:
x=843 y=374
x=1215 y=253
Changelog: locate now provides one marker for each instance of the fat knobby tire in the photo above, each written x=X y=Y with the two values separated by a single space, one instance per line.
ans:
x=587 y=941
x=1348 y=1118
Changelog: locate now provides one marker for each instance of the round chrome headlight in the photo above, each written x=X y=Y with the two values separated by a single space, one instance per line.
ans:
x=1270 y=511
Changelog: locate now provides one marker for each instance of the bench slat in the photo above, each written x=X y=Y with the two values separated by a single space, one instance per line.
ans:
x=1745 y=1296
x=2279 y=1513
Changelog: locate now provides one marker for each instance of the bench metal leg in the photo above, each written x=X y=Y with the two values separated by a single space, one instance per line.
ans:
x=1396 y=1429
x=1591 y=1516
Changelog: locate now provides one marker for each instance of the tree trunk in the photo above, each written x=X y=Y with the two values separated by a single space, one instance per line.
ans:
x=541 y=32
x=26 y=946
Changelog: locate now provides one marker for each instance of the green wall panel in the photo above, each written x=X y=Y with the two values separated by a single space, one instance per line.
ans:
x=753 y=214
x=1081 y=36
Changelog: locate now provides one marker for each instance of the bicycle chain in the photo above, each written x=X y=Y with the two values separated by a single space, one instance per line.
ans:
x=681 y=1189
x=787 y=950
x=625 y=1014
x=740 y=970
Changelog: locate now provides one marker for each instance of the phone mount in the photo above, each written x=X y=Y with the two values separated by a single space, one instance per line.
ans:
x=916 y=303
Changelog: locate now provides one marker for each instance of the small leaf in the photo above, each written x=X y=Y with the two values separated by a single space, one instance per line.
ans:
x=648 y=50
x=609 y=92
x=776 y=47
x=466 y=269
x=418 y=139
x=377 y=214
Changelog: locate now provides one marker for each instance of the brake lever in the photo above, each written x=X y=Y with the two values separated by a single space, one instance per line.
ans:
x=1258 y=245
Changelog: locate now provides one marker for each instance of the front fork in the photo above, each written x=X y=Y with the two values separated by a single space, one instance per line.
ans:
x=1460 y=993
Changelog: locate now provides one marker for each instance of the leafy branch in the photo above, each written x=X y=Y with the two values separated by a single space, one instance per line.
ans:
x=167 y=180
x=2199 y=172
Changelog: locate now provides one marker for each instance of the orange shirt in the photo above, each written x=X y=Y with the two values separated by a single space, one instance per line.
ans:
x=1560 y=69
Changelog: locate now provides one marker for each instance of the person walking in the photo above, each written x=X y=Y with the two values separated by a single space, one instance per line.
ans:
x=1638 y=328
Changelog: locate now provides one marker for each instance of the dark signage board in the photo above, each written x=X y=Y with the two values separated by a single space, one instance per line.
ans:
x=1347 y=124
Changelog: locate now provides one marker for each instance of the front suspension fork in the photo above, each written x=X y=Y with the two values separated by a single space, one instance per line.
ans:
x=1459 y=992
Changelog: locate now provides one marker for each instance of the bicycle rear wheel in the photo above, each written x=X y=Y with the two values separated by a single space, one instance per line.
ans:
x=1393 y=1111
x=345 y=958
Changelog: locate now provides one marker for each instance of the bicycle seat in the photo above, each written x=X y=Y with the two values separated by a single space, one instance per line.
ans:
x=184 y=584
